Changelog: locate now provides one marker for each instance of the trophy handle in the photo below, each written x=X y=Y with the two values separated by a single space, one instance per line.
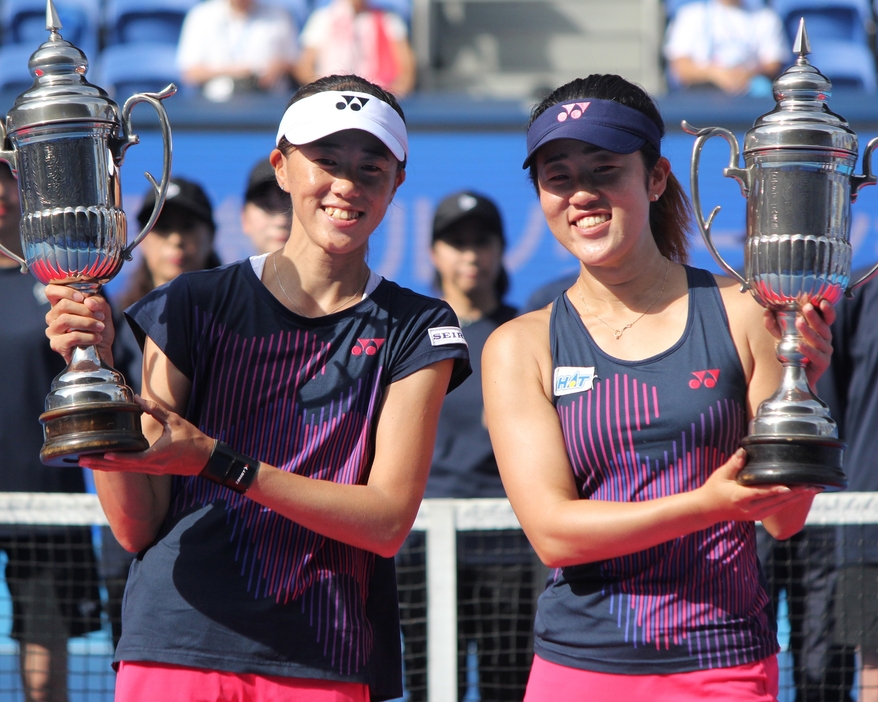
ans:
x=732 y=171
x=130 y=138
x=857 y=182
x=9 y=157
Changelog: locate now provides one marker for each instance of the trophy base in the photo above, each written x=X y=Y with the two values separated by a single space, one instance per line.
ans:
x=100 y=427
x=794 y=460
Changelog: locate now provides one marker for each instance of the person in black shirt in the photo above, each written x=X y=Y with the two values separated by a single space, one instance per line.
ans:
x=495 y=577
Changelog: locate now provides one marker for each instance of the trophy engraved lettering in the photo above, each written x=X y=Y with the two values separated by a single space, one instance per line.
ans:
x=65 y=140
x=799 y=183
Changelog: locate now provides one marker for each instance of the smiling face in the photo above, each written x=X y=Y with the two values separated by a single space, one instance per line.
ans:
x=341 y=186
x=596 y=202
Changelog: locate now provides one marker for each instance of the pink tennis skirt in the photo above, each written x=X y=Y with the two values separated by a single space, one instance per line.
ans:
x=148 y=682
x=754 y=682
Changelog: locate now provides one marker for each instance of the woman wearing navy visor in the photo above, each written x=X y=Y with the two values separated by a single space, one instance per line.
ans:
x=291 y=401
x=616 y=415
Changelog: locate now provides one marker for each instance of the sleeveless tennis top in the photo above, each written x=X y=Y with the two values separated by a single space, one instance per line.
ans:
x=640 y=430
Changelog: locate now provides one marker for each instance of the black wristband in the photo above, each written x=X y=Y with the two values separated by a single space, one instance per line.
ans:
x=229 y=468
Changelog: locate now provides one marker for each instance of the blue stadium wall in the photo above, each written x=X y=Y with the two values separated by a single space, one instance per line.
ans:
x=484 y=159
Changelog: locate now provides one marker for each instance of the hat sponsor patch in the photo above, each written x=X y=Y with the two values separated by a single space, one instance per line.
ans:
x=571 y=379
x=442 y=336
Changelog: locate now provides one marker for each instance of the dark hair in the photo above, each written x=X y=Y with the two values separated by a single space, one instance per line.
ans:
x=670 y=217
x=341 y=82
x=271 y=198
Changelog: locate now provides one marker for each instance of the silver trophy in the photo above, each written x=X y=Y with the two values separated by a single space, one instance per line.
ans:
x=799 y=183
x=65 y=140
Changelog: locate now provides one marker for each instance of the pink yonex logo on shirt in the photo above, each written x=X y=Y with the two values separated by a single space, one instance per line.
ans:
x=367 y=346
x=707 y=378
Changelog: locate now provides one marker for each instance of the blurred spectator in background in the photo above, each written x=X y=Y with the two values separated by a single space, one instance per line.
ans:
x=496 y=569
x=51 y=572
x=848 y=387
x=180 y=241
x=267 y=214
x=232 y=46
x=349 y=36
x=721 y=44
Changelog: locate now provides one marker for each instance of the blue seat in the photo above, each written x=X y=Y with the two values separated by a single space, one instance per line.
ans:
x=24 y=22
x=157 y=21
x=14 y=74
x=847 y=64
x=137 y=67
x=826 y=20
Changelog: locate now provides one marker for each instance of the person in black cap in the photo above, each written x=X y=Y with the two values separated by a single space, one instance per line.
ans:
x=267 y=214
x=495 y=570
x=180 y=241
x=616 y=415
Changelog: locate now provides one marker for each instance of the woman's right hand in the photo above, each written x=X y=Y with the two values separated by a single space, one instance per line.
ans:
x=77 y=320
x=727 y=500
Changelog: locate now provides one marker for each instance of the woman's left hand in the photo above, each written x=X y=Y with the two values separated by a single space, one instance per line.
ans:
x=181 y=449
x=814 y=325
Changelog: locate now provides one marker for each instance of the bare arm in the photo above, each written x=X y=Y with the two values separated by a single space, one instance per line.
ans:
x=376 y=516
x=756 y=333
x=135 y=504
x=528 y=443
x=730 y=80
x=199 y=75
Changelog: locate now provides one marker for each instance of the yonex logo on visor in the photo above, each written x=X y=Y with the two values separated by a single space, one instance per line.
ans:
x=573 y=111
x=322 y=114
x=352 y=101
x=605 y=123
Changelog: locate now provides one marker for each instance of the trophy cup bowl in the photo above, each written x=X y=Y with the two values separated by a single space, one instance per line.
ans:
x=799 y=185
x=68 y=141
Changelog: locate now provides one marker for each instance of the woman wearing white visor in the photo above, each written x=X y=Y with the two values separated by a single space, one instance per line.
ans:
x=291 y=402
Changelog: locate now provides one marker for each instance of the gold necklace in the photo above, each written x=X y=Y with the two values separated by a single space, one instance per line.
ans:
x=296 y=309
x=618 y=332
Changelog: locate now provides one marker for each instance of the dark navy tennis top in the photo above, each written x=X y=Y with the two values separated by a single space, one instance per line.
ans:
x=639 y=430
x=232 y=585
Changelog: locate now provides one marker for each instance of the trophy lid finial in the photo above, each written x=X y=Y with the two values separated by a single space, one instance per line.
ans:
x=53 y=22
x=60 y=91
x=802 y=45
x=801 y=117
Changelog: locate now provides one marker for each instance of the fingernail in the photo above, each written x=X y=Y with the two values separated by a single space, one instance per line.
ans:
x=78 y=297
x=100 y=326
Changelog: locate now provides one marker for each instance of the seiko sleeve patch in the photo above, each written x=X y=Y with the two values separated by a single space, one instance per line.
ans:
x=442 y=336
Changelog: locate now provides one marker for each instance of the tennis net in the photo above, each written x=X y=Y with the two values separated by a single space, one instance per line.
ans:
x=468 y=583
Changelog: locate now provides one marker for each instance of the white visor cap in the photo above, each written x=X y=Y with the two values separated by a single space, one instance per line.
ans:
x=322 y=114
